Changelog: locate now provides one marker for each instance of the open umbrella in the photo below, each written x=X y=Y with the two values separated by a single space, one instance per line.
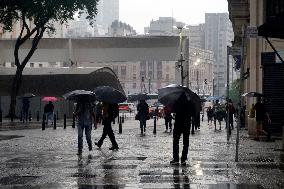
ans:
x=27 y=95
x=109 y=94
x=171 y=94
x=253 y=94
x=78 y=95
x=49 y=98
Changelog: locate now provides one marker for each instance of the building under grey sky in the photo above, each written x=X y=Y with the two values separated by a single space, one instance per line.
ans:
x=218 y=35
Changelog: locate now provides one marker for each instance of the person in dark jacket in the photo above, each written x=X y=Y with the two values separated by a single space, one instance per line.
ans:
x=260 y=115
x=143 y=112
x=168 y=118
x=181 y=127
x=110 y=112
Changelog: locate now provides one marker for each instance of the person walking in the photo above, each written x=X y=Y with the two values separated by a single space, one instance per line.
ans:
x=48 y=111
x=84 y=112
x=168 y=118
x=231 y=111
x=181 y=127
x=260 y=115
x=219 y=114
x=210 y=115
x=143 y=111
x=110 y=112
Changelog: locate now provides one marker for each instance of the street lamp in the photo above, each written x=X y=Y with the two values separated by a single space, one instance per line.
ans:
x=197 y=73
x=181 y=59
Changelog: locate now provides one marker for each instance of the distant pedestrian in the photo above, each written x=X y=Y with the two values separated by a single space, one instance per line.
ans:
x=168 y=118
x=143 y=113
x=210 y=115
x=219 y=114
x=99 y=112
x=260 y=116
x=25 y=109
x=231 y=111
x=84 y=112
x=110 y=112
x=48 y=111
x=181 y=127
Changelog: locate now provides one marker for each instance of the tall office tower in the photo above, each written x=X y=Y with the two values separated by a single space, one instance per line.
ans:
x=218 y=35
x=196 y=35
x=108 y=11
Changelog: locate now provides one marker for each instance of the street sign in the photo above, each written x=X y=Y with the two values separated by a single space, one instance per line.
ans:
x=236 y=51
x=251 y=32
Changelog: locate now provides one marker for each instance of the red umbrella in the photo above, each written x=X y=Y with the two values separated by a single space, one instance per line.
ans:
x=49 y=98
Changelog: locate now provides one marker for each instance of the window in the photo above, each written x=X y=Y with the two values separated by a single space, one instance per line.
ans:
x=115 y=69
x=32 y=65
x=40 y=65
x=134 y=85
x=167 y=77
x=12 y=64
x=123 y=72
x=134 y=76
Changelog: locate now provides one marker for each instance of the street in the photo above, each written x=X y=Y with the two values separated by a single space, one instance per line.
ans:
x=32 y=158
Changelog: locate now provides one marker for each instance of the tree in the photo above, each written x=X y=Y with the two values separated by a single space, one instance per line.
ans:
x=234 y=91
x=42 y=14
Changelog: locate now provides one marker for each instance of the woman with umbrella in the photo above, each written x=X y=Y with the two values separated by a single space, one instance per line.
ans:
x=143 y=111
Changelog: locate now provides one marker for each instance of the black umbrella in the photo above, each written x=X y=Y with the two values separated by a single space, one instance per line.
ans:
x=27 y=95
x=253 y=94
x=109 y=94
x=80 y=95
x=171 y=94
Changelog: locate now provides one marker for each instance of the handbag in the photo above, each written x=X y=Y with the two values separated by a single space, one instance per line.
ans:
x=136 y=117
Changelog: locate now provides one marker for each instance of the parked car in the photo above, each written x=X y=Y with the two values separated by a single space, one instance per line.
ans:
x=152 y=110
x=126 y=107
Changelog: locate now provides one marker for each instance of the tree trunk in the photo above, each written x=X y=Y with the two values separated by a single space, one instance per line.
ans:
x=14 y=92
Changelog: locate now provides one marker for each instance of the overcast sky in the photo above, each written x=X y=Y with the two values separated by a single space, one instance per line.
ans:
x=139 y=13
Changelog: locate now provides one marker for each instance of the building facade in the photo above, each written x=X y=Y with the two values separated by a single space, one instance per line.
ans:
x=141 y=76
x=257 y=13
x=201 y=71
x=219 y=35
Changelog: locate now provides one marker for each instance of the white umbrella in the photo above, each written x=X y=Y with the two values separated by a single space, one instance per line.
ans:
x=109 y=94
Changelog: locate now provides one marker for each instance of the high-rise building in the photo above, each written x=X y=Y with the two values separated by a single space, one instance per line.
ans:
x=196 y=35
x=163 y=26
x=218 y=35
x=108 y=11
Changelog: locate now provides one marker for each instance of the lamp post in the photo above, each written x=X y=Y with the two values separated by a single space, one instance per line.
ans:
x=197 y=74
x=181 y=60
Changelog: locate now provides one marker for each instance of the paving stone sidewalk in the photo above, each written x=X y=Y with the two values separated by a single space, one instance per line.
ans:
x=32 y=158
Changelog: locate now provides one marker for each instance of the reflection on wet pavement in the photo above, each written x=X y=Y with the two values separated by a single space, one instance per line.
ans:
x=47 y=160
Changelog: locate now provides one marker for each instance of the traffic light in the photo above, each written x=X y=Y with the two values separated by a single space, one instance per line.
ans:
x=205 y=81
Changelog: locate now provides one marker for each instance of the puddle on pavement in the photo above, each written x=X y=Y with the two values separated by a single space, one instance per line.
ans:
x=11 y=180
x=130 y=158
x=260 y=159
x=106 y=166
x=9 y=137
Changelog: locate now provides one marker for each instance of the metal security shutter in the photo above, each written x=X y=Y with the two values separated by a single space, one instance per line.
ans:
x=273 y=89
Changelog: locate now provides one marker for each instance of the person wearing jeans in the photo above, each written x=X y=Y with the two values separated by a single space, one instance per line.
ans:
x=85 y=116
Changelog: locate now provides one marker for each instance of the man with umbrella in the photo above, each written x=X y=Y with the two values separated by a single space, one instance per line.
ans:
x=181 y=127
x=182 y=101
x=110 y=98
x=85 y=115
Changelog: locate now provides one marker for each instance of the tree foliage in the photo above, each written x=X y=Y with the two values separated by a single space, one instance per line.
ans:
x=42 y=14
x=234 y=91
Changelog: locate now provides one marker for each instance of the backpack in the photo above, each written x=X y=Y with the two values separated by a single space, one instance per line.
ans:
x=114 y=110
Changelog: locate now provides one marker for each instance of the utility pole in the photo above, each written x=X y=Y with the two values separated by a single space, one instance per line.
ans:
x=227 y=91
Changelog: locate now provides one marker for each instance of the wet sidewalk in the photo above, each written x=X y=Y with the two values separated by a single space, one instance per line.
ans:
x=32 y=158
